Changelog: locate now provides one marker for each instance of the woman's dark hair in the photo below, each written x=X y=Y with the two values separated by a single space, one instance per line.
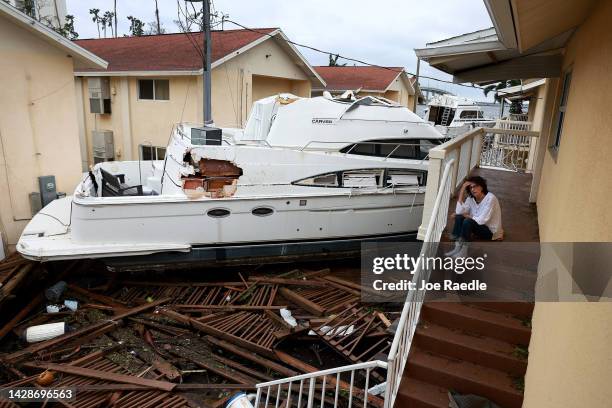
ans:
x=480 y=182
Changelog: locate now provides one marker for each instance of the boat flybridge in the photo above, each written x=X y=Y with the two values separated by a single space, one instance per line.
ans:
x=306 y=174
x=454 y=115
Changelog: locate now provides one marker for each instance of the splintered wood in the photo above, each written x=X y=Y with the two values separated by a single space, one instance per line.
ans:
x=144 y=342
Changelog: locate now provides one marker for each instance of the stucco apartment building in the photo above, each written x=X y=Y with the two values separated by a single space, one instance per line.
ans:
x=392 y=83
x=153 y=82
x=570 y=44
x=39 y=134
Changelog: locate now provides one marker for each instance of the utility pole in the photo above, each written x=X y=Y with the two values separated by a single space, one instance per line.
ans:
x=206 y=63
x=416 y=86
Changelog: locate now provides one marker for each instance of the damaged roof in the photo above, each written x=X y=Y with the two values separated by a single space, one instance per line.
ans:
x=368 y=78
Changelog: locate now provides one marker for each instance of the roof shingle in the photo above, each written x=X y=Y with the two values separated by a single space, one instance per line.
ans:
x=355 y=77
x=168 y=52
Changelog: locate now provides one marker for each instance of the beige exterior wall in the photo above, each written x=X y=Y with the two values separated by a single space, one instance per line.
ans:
x=576 y=187
x=38 y=123
x=570 y=360
x=262 y=71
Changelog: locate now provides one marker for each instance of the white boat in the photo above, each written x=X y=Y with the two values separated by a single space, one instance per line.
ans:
x=305 y=171
x=453 y=115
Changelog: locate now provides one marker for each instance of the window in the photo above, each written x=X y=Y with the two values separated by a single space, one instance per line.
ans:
x=468 y=114
x=567 y=79
x=416 y=149
x=152 y=152
x=362 y=178
x=154 y=89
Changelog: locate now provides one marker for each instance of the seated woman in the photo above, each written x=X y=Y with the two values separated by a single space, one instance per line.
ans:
x=477 y=214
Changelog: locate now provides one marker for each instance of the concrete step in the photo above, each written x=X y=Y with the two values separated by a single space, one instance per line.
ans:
x=464 y=377
x=485 y=351
x=418 y=394
x=470 y=318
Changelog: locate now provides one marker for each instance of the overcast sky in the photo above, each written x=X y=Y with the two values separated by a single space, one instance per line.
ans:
x=382 y=32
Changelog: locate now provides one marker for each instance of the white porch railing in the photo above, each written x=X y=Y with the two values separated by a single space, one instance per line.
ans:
x=325 y=386
x=514 y=149
x=469 y=150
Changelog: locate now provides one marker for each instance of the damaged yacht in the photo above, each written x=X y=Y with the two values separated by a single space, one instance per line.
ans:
x=306 y=175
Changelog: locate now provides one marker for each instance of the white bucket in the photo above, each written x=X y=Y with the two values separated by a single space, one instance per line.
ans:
x=44 y=332
x=240 y=400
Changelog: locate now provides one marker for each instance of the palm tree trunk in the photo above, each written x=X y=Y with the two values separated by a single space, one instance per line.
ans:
x=157 y=17
x=115 y=11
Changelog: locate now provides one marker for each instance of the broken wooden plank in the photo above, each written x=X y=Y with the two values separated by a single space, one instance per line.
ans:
x=251 y=356
x=218 y=332
x=14 y=281
x=213 y=368
x=288 y=282
x=34 y=348
x=178 y=387
x=108 y=376
x=21 y=315
x=302 y=302
x=105 y=300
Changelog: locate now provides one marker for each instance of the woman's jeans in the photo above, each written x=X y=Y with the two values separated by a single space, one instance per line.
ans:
x=465 y=227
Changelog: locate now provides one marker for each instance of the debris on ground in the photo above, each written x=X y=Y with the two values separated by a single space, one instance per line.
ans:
x=175 y=339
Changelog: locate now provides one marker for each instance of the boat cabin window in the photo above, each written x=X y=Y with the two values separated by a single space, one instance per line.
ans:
x=471 y=114
x=416 y=149
x=152 y=152
x=404 y=178
x=363 y=178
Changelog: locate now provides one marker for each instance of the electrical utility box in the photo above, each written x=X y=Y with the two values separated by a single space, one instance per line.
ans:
x=47 y=188
x=103 y=145
x=99 y=95
x=206 y=135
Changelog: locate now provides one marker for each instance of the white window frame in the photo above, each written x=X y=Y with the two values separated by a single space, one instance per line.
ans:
x=154 y=96
x=151 y=149
x=566 y=85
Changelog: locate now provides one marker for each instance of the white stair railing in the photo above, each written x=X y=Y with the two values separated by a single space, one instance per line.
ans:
x=409 y=319
x=327 y=387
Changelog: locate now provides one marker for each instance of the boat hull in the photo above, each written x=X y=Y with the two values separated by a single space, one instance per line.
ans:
x=153 y=225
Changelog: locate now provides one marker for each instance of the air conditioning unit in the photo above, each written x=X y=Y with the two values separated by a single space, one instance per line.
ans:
x=99 y=95
x=103 y=145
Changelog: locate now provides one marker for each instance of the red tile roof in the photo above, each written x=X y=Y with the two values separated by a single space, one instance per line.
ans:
x=355 y=77
x=168 y=52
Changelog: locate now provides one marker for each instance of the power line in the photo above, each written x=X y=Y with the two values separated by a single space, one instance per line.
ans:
x=351 y=59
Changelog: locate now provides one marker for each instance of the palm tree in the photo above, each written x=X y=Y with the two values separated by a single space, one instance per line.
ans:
x=108 y=20
x=333 y=61
x=95 y=12
x=516 y=106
